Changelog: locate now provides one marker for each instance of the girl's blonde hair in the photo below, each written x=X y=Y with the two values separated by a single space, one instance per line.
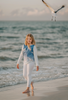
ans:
x=33 y=41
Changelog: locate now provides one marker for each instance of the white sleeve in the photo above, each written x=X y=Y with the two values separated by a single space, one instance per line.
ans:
x=35 y=55
x=20 y=56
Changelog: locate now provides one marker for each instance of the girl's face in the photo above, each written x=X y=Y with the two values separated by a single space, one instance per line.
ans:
x=29 y=40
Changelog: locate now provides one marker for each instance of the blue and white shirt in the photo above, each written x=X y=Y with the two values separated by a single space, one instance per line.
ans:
x=29 y=55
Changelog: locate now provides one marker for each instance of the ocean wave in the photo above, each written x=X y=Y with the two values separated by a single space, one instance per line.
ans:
x=49 y=42
x=9 y=37
x=51 y=56
x=5 y=68
x=53 y=27
x=26 y=28
x=6 y=48
x=5 y=58
x=11 y=83
x=40 y=79
x=44 y=38
x=3 y=28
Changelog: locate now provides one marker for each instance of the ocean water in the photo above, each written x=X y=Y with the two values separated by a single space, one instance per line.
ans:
x=52 y=46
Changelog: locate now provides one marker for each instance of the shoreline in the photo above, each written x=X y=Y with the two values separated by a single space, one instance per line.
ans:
x=34 y=82
x=42 y=90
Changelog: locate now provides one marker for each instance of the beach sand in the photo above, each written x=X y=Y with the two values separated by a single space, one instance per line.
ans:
x=49 y=90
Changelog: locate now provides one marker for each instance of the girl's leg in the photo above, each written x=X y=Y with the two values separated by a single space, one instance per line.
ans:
x=25 y=76
x=30 y=67
x=25 y=71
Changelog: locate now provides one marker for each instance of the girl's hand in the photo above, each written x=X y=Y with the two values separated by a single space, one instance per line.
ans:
x=17 y=66
x=37 y=68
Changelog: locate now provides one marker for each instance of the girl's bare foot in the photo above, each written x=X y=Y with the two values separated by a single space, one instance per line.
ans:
x=26 y=91
x=32 y=87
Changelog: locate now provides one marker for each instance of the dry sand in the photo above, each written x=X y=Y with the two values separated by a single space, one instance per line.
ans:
x=49 y=90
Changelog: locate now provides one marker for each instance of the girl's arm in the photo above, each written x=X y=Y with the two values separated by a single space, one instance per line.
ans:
x=20 y=56
x=35 y=56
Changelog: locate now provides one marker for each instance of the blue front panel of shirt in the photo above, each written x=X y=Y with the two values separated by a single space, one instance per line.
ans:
x=28 y=53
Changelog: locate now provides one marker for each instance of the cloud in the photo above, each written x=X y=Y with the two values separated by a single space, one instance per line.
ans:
x=63 y=12
x=66 y=11
x=35 y=12
x=19 y=12
x=29 y=12
x=1 y=12
x=27 y=9
x=15 y=12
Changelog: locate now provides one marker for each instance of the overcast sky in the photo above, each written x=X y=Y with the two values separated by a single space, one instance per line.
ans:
x=31 y=9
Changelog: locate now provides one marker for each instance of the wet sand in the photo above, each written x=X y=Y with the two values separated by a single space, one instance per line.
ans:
x=49 y=90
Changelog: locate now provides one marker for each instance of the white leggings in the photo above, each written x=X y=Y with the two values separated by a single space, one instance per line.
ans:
x=27 y=70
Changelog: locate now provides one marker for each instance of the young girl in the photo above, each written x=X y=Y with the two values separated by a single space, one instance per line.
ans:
x=29 y=52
